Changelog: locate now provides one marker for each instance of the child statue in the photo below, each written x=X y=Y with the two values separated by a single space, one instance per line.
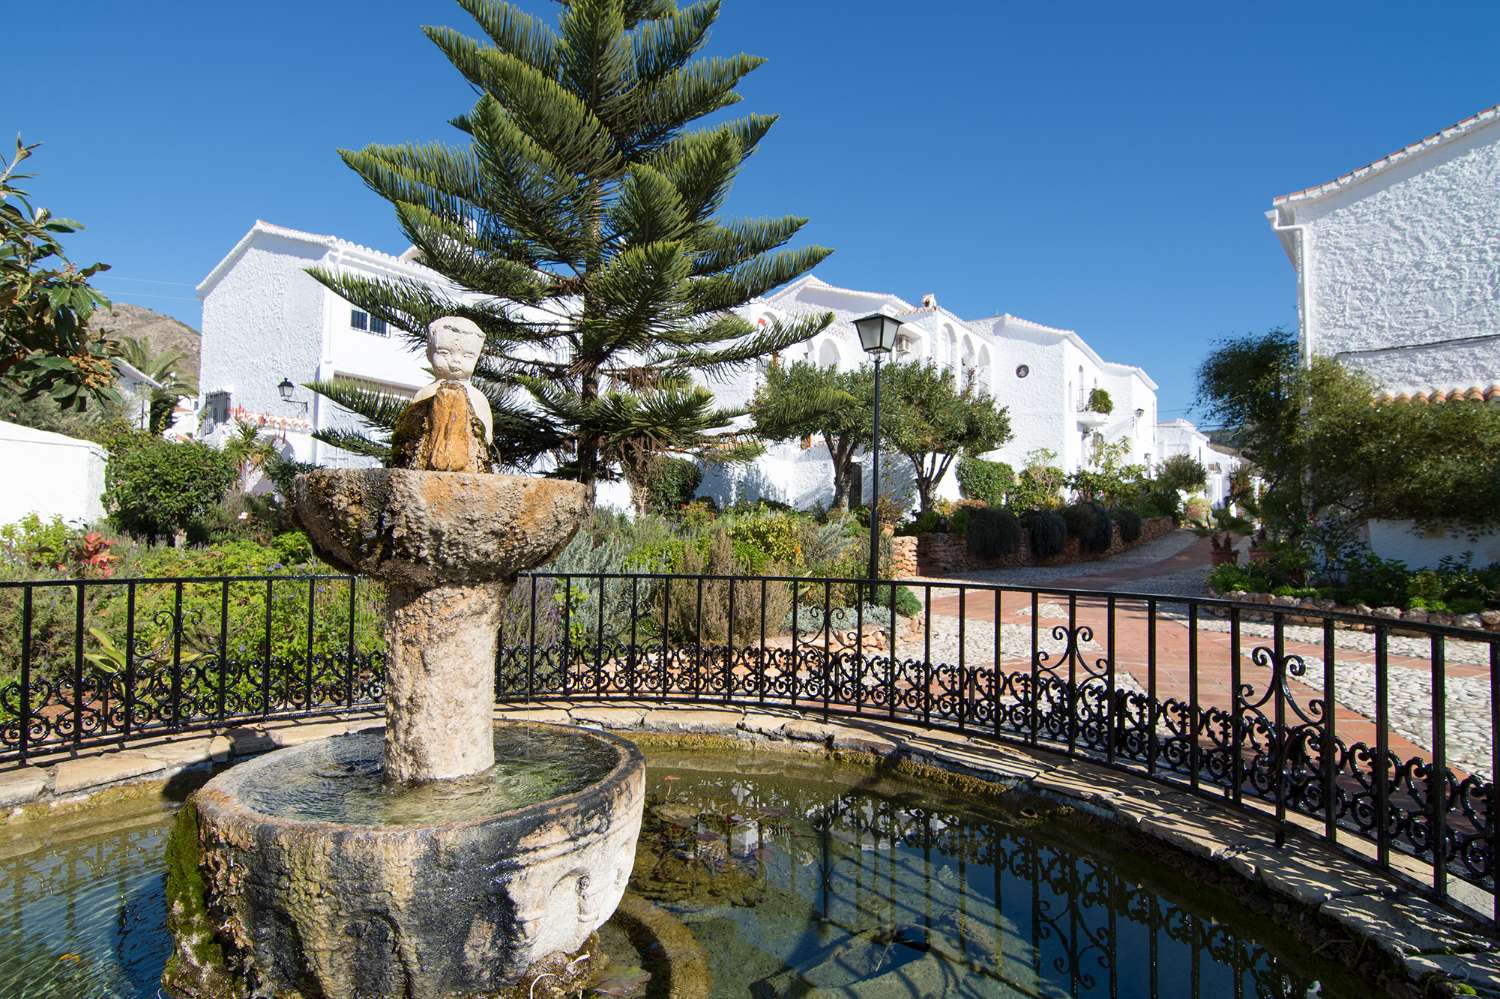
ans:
x=448 y=426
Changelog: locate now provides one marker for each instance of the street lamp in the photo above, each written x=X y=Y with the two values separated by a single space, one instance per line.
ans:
x=877 y=334
x=286 y=388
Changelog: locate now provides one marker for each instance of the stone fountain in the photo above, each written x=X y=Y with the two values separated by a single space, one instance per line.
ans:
x=414 y=864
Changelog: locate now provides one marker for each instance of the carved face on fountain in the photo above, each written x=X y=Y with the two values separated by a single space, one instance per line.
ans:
x=448 y=426
x=453 y=347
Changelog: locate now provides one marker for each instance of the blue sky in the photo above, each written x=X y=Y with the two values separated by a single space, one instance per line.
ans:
x=1099 y=166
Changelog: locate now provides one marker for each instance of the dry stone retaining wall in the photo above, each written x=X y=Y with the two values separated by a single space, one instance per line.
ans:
x=941 y=554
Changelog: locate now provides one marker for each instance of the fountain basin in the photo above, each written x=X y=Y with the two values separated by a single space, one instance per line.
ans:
x=420 y=530
x=323 y=881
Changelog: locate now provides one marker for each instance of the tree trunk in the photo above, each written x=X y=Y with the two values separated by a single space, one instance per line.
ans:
x=841 y=456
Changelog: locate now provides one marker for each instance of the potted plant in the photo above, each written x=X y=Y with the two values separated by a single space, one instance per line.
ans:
x=1221 y=550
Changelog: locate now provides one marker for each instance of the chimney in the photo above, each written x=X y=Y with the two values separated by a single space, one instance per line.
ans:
x=929 y=301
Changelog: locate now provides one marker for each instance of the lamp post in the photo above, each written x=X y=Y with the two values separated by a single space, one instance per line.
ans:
x=877 y=334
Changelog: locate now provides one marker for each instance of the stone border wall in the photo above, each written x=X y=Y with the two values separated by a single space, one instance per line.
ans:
x=1487 y=620
x=1434 y=947
x=942 y=554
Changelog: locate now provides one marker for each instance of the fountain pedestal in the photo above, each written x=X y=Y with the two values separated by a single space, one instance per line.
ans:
x=448 y=546
x=359 y=866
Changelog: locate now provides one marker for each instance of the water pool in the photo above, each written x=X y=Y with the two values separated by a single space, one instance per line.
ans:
x=797 y=877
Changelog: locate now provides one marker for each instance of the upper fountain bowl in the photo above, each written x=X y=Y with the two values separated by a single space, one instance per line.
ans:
x=429 y=529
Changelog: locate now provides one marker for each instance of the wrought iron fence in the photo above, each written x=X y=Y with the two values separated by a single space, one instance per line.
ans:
x=1379 y=732
x=1338 y=718
x=90 y=663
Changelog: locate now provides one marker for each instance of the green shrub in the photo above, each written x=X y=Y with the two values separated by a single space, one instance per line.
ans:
x=32 y=543
x=993 y=532
x=923 y=522
x=1090 y=524
x=1130 y=525
x=762 y=540
x=155 y=488
x=1100 y=402
x=1079 y=518
x=1048 y=532
x=292 y=548
x=1159 y=502
x=958 y=520
x=1182 y=472
x=670 y=483
x=1038 y=487
x=987 y=481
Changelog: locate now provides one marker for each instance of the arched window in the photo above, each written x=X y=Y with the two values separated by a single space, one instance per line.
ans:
x=1082 y=396
x=982 y=374
x=950 y=347
x=828 y=355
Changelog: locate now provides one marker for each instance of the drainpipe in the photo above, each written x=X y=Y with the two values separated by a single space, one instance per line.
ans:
x=1302 y=240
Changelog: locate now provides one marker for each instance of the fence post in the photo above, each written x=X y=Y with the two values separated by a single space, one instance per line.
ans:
x=26 y=615
x=78 y=688
x=349 y=649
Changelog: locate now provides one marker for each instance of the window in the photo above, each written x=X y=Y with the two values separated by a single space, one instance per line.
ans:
x=377 y=326
x=216 y=407
x=1022 y=371
x=358 y=320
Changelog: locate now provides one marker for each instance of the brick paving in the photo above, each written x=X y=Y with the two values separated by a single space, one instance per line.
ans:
x=1210 y=683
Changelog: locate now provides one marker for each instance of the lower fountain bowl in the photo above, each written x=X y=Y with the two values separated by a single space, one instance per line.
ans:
x=425 y=901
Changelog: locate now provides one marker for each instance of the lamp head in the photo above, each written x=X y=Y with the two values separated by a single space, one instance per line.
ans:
x=877 y=333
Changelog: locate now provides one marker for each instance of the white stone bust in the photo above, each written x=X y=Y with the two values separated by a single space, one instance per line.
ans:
x=453 y=348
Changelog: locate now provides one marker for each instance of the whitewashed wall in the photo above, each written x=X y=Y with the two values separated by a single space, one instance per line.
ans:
x=263 y=321
x=1410 y=256
x=50 y=475
x=1402 y=540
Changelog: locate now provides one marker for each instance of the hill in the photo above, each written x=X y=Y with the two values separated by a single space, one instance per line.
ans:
x=161 y=331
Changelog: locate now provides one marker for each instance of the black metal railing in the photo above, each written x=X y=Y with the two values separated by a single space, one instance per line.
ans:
x=91 y=663
x=1315 y=718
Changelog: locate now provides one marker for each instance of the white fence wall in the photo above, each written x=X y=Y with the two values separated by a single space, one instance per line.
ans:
x=50 y=475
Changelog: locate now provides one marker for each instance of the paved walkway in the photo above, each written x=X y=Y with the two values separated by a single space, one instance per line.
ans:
x=1176 y=563
x=1198 y=664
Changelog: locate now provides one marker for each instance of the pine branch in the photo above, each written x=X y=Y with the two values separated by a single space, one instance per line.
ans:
x=774 y=339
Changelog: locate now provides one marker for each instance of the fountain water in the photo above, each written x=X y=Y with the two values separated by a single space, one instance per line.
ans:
x=417 y=865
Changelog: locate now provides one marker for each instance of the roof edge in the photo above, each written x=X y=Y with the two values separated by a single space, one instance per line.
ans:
x=1439 y=138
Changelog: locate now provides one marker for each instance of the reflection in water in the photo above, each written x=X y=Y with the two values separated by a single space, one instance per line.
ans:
x=82 y=912
x=814 y=880
x=797 y=878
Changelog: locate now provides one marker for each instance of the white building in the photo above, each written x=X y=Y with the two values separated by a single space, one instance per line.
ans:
x=266 y=322
x=1176 y=437
x=1045 y=376
x=1398 y=275
x=1398 y=263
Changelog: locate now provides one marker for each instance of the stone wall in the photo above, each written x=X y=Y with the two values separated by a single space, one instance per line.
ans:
x=1488 y=620
x=942 y=554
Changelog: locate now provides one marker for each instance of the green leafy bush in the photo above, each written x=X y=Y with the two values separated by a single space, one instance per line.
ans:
x=1182 y=472
x=155 y=488
x=1090 y=523
x=1100 y=402
x=1039 y=486
x=987 y=481
x=33 y=543
x=670 y=483
x=923 y=522
x=1048 y=533
x=993 y=532
x=1130 y=525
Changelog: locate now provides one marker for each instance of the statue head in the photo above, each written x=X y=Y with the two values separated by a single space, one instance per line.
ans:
x=453 y=347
